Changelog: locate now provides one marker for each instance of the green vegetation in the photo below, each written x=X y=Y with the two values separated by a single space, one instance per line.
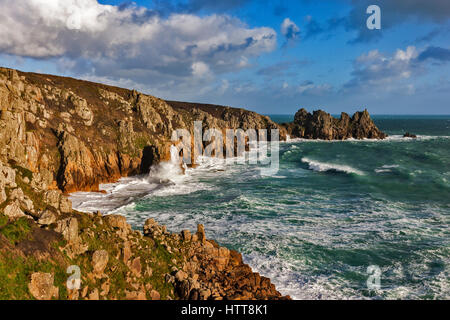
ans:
x=3 y=220
x=16 y=231
x=162 y=263
x=152 y=255
x=15 y=274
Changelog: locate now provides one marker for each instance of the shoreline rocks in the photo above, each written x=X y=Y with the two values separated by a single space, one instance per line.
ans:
x=321 y=125
x=409 y=135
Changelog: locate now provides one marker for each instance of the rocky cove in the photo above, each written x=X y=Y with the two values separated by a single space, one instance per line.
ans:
x=60 y=135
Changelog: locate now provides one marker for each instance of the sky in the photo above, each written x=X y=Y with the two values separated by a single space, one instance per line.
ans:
x=272 y=57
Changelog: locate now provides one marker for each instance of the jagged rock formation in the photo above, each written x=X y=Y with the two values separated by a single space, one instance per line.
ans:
x=321 y=125
x=59 y=135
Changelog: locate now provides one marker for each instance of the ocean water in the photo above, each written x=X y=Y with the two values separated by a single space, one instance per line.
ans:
x=333 y=209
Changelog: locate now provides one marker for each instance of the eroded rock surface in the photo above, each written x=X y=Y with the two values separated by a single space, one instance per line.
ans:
x=84 y=134
x=321 y=125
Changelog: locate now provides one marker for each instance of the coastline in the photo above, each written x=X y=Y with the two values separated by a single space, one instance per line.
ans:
x=63 y=142
x=59 y=150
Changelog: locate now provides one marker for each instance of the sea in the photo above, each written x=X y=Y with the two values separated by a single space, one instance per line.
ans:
x=355 y=219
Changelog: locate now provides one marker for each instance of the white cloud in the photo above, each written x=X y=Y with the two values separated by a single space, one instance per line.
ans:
x=290 y=30
x=130 y=42
x=200 y=69
x=376 y=68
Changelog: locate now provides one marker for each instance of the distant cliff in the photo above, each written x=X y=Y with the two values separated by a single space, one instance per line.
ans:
x=321 y=125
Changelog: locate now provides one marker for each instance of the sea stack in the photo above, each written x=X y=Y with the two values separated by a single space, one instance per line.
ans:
x=321 y=125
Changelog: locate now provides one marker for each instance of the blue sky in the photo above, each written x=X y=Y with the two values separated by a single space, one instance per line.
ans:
x=269 y=56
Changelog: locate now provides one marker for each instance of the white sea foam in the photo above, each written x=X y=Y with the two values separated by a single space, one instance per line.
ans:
x=395 y=137
x=386 y=168
x=324 y=166
x=166 y=178
x=272 y=237
x=419 y=138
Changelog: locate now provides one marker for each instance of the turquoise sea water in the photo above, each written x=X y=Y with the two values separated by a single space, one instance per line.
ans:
x=332 y=210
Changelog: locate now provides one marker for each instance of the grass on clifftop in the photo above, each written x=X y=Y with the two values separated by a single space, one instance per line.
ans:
x=154 y=256
x=14 y=231
x=15 y=275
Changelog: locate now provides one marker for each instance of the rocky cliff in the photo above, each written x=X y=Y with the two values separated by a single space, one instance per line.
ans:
x=59 y=135
x=321 y=125
x=76 y=134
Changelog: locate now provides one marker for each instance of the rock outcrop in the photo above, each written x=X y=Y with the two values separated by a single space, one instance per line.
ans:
x=77 y=134
x=409 y=135
x=321 y=125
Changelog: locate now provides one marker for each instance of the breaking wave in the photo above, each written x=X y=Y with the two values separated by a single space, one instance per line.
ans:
x=324 y=167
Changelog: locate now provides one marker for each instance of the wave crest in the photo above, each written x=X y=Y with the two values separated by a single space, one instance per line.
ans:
x=324 y=167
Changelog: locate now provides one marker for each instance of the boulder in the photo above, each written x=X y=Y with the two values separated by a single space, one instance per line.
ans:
x=7 y=176
x=13 y=211
x=117 y=221
x=136 y=267
x=82 y=109
x=99 y=261
x=186 y=235
x=52 y=197
x=94 y=295
x=69 y=229
x=201 y=233
x=3 y=196
x=17 y=194
x=152 y=229
x=65 y=205
x=41 y=286
x=154 y=295
x=126 y=251
x=47 y=218
x=180 y=275
x=135 y=295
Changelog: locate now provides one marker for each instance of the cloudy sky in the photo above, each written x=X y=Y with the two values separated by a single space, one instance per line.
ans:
x=269 y=56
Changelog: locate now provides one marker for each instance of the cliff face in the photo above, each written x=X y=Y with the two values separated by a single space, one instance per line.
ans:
x=321 y=125
x=76 y=134
x=59 y=135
